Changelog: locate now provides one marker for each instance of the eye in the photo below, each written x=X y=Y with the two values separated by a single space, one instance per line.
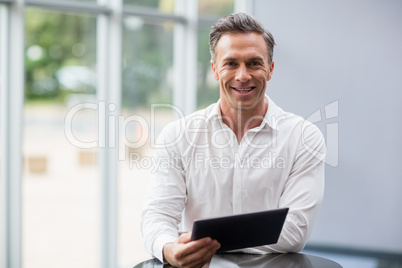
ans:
x=231 y=63
x=255 y=63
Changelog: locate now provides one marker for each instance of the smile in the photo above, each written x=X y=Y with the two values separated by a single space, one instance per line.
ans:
x=243 y=90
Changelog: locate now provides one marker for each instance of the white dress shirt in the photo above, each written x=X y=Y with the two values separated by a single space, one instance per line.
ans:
x=202 y=172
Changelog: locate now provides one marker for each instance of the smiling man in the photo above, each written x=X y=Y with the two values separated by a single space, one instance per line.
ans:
x=242 y=67
x=242 y=154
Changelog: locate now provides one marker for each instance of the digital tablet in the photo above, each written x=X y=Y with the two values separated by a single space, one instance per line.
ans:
x=243 y=230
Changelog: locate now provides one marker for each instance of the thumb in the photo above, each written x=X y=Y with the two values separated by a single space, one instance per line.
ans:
x=184 y=238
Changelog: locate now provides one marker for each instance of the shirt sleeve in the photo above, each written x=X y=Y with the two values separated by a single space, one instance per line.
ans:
x=303 y=193
x=165 y=198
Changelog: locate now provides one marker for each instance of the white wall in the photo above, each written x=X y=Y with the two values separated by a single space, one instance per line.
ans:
x=350 y=52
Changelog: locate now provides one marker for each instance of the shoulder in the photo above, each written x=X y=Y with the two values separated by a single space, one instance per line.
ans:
x=302 y=126
x=296 y=130
x=287 y=122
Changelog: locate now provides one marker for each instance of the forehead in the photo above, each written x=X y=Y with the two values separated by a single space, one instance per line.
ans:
x=241 y=45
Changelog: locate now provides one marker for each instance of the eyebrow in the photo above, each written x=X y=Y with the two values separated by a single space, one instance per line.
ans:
x=255 y=58
x=229 y=59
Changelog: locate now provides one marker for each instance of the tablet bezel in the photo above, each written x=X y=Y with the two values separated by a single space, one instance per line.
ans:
x=242 y=230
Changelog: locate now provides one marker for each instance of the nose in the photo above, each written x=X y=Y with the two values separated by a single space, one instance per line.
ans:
x=242 y=73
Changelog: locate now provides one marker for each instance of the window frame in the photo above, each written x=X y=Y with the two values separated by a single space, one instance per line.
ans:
x=110 y=14
x=11 y=130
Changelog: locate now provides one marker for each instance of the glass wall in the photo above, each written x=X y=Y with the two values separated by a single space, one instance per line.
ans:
x=3 y=15
x=147 y=80
x=1 y=131
x=213 y=8
x=207 y=86
x=166 y=6
x=71 y=0
x=61 y=180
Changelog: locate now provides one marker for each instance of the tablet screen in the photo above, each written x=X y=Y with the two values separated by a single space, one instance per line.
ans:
x=243 y=230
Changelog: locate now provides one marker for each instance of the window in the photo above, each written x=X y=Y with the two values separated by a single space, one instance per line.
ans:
x=61 y=180
x=212 y=8
x=58 y=186
x=2 y=90
x=166 y=6
x=147 y=80
x=207 y=87
x=72 y=0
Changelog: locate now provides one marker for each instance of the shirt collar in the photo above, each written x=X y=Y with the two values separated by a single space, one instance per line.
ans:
x=273 y=115
x=215 y=111
x=271 y=118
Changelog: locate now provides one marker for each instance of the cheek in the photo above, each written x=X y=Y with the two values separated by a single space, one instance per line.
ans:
x=268 y=72
x=262 y=75
x=224 y=75
x=222 y=72
x=267 y=75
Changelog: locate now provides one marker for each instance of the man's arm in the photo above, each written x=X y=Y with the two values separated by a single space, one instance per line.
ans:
x=165 y=198
x=302 y=193
x=163 y=208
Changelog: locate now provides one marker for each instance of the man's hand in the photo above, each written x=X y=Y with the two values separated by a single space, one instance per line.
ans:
x=185 y=253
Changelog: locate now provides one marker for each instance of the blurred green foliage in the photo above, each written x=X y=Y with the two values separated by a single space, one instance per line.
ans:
x=215 y=8
x=207 y=93
x=147 y=63
x=207 y=88
x=144 y=3
x=55 y=40
x=61 y=55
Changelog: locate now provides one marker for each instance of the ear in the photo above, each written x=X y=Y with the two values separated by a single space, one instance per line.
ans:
x=214 y=72
x=271 y=70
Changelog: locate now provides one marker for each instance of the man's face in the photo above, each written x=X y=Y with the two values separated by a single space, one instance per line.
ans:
x=242 y=68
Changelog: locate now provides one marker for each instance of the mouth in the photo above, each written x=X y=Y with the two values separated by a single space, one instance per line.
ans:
x=243 y=90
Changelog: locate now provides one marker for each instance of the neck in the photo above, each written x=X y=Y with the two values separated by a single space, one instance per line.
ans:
x=241 y=120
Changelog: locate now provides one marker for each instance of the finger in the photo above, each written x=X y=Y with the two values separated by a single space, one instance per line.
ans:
x=202 y=256
x=194 y=246
x=184 y=238
x=183 y=251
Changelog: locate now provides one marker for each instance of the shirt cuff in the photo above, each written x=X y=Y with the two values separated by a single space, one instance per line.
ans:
x=159 y=242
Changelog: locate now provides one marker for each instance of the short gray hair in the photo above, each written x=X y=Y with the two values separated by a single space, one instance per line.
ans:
x=239 y=23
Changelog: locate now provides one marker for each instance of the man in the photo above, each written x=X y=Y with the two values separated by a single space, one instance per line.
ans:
x=242 y=154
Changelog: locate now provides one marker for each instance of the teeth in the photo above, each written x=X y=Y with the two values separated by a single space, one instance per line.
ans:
x=243 y=89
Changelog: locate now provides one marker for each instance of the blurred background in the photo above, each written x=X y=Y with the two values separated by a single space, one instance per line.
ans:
x=86 y=86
